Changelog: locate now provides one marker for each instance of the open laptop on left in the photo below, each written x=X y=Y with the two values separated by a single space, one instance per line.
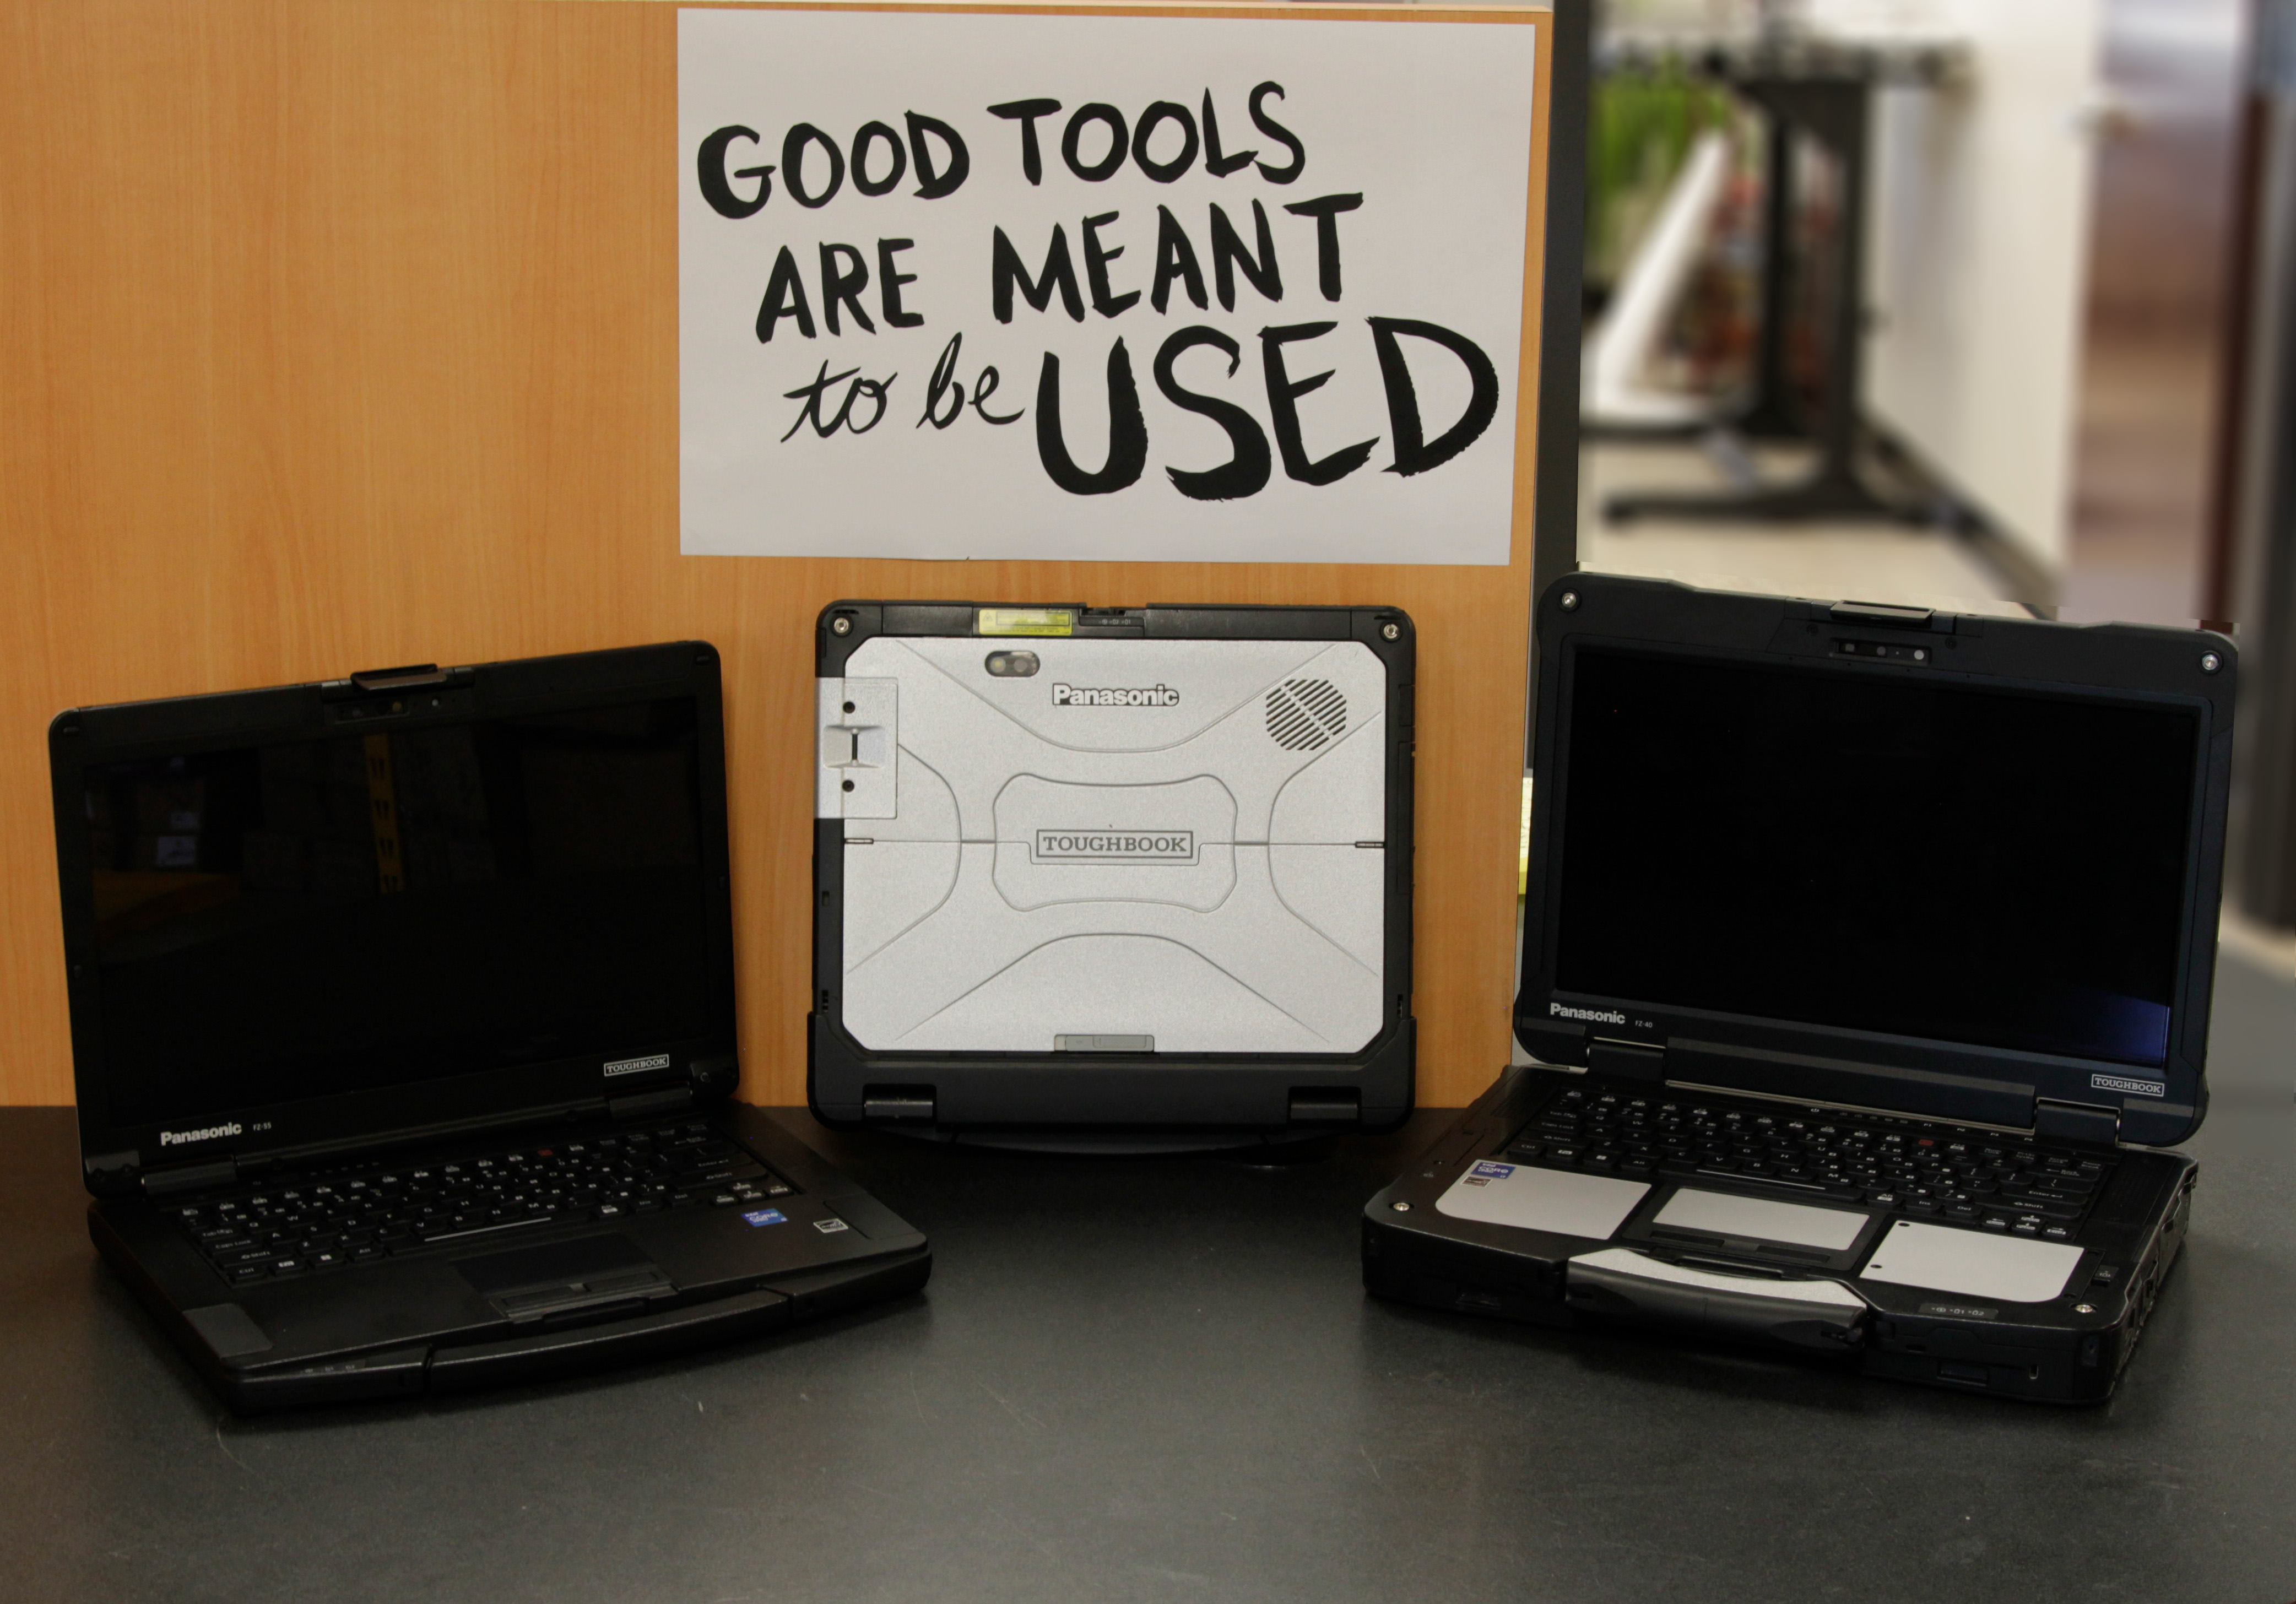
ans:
x=403 y=1025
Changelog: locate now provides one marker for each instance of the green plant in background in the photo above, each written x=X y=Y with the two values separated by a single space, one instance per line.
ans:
x=1643 y=119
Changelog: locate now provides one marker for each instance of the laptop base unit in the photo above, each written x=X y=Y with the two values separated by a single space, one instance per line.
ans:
x=403 y=1024
x=1113 y=879
x=1867 y=954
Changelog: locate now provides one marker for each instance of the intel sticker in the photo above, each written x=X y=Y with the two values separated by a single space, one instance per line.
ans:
x=767 y=1216
x=1489 y=1171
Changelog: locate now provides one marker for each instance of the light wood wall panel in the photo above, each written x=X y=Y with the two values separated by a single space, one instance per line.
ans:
x=341 y=333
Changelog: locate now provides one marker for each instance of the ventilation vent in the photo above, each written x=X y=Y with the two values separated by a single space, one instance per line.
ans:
x=1303 y=715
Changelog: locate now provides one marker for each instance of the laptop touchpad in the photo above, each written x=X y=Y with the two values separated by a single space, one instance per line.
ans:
x=1761 y=1219
x=559 y=1279
x=1541 y=1199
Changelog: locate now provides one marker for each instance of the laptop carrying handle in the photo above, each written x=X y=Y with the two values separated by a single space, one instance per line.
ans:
x=1599 y=1290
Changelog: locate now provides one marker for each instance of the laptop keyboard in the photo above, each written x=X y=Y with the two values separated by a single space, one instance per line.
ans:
x=322 y=1219
x=1991 y=1179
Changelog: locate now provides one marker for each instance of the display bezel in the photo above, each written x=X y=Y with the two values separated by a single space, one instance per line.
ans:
x=116 y=1152
x=1931 y=1076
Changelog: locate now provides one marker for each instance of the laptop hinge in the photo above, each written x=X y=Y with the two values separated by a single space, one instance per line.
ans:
x=2076 y=1122
x=112 y=1175
x=190 y=1177
x=644 y=1105
x=1885 y=615
x=1628 y=1061
x=900 y=1105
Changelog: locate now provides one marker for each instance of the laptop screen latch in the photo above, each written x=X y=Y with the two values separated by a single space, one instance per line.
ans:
x=1628 y=1061
x=2076 y=1122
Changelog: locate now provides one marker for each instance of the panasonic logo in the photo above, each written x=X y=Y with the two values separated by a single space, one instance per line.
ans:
x=638 y=1065
x=177 y=1138
x=1592 y=1015
x=1113 y=845
x=1091 y=696
x=2121 y=1083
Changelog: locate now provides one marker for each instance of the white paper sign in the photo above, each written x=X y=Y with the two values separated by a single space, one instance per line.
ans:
x=1137 y=288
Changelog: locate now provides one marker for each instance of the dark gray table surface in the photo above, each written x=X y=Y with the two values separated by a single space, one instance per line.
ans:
x=1152 y=1379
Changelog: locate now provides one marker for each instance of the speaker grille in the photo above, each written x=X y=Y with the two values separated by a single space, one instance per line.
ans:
x=1304 y=713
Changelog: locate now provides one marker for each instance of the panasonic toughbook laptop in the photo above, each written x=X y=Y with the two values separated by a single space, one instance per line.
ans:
x=1121 y=877
x=402 y=1013
x=1867 y=952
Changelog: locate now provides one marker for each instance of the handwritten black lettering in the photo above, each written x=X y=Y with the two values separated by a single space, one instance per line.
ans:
x=1119 y=144
x=1007 y=269
x=1412 y=453
x=1283 y=392
x=873 y=134
x=889 y=280
x=1217 y=164
x=709 y=169
x=1128 y=430
x=946 y=385
x=1096 y=258
x=1026 y=113
x=873 y=390
x=793 y=144
x=1228 y=254
x=1246 y=470
x=1176 y=257
x=844 y=274
x=1158 y=113
x=1326 y=209
x=784 y=298
x=1278 y=132
x=942 y=174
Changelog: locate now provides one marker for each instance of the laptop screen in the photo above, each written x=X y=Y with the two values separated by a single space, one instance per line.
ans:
x=1868 y=852
x=365 y=911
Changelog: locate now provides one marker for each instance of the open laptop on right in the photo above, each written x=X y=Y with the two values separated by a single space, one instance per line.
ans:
x=1867 y=953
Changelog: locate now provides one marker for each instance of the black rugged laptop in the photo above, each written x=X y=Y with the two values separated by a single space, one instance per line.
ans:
x=402 y=1013
x=1867 y=952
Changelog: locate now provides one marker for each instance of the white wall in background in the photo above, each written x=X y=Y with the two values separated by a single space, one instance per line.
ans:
x=1978 y=250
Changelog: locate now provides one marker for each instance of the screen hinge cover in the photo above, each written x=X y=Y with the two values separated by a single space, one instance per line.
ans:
x=1628 y=1061
x=190 y=1177
x=2076 y=1122
x=1886 y=616
x=642 y=1105
x=112 y=1175
x=406 y=678
x=898 y=1104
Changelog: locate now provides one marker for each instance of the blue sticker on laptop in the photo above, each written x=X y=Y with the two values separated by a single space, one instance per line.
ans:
x=1489 y=1171
x=767 y=1216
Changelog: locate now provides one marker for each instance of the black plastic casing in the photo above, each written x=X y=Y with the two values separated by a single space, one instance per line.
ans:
x=1143 y=1100
x=1925 y=1078
x=116 y=1158
x=407 y=1326
x=2071 y=1349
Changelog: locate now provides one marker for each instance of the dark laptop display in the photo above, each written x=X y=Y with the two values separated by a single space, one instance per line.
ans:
x=2000 y=868
x=404 y=1029
x=376 y=909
